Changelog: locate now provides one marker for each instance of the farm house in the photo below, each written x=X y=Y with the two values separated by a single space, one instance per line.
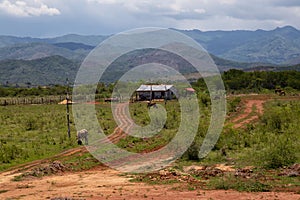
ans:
x=154 y=92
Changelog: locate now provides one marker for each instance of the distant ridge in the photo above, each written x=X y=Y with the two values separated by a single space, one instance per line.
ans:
x=278 y=46
x=273 y=68
x=74 y=46
x=55 y=69
x=31 y=51
x=27 y=59
x=91 y=40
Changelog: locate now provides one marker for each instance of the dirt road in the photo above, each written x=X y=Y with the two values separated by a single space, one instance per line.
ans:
x=253 y=107
x=124 y=122
x=252 y=110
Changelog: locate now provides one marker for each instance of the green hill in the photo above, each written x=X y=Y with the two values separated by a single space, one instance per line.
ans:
x=44 y=71
x=55 y=69
x=31 y=51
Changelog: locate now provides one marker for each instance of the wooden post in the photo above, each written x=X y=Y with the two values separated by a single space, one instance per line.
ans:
x=166 y=93
x=68 y=113
x=150 y=93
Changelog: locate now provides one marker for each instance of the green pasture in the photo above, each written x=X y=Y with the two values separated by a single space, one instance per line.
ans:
x=30 y=132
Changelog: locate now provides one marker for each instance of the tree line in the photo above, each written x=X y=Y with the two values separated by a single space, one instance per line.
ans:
x=234 y=80
x=55 y=90
x=256 y=81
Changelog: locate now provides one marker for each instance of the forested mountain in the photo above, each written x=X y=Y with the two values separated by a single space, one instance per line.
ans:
x=26 y=59
x=55 y=69
x=32 y=51
x=43 y=71
x=278 y=46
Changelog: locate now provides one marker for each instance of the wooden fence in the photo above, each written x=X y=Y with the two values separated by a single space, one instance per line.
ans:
x=4 y=101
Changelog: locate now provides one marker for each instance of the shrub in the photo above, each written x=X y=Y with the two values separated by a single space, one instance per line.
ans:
x=193 y=151
x=233 y=104
x=280 y=153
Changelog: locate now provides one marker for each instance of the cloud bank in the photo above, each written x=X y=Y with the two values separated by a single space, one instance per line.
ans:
x=27 y=8
x=56 y=17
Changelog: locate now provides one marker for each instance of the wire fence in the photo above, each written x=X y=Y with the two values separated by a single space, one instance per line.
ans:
x=4 y=101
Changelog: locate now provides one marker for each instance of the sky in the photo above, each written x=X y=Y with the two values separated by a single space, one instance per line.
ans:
x=49 y=18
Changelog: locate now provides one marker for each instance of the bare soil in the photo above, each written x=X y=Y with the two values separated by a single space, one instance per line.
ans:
x=124 y=126
x=104 y=183
x=252 y=110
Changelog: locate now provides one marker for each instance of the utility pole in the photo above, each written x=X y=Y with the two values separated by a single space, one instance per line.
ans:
x=68 y=112
x=166 y=94
x=150 y=93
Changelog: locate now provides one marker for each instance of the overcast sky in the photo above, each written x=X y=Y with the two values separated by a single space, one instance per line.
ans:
x=44 y=18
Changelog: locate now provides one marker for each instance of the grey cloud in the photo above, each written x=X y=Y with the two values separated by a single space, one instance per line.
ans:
x=27 y=8
x=288 y=3
x=112 y=16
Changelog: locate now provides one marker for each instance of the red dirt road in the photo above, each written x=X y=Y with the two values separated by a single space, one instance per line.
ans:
x=124 y=122
x=253 y=109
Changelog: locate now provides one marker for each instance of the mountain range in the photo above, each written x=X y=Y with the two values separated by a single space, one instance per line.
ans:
x=278 y=46
x=26 y=59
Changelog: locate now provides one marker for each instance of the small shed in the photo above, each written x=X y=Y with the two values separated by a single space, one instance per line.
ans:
x=64 y=102
x=190 y=90
x=152 y=92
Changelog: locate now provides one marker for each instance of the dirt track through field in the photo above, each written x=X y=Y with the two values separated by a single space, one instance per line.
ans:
x=125 y=124
x=252 y=110
x=135 y=161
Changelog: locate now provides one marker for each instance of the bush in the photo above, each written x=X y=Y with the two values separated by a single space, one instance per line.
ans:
x=193 y=151
x=279 y=116
x=233 y=104
x=280 y=153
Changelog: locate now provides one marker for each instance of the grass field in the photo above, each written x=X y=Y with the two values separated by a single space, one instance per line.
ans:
x=31 y=132
x=35 y=131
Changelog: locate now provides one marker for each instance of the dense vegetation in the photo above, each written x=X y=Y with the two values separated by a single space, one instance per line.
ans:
x=33 y=91
x=238 y=81
x=29 y=91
